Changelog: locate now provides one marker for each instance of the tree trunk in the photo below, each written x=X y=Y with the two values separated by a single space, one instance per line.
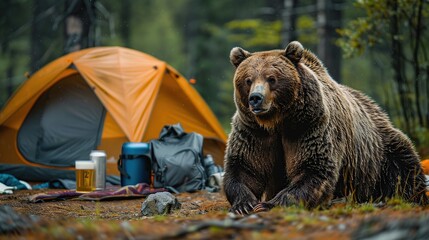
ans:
x=10 y=73
x=191 y=37
x=427 y=95
x=288 y=32
x=328 y=20
x=42 y=34
x=417 y=76
x=79 y=25
x=125 y=22
x=398 y=65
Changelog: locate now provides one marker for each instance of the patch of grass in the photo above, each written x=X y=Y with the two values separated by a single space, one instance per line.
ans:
x=366 y=208
x=66 y=230
x=398 y=203
x=114 y=227
x=88 y=224
x=291 y=218
x=160 y=218
x=345 y=210
x=303 y=218
x=86 y=229
x=311 y=221
x=59 y=232
x=97 y=210
x=56 y=231
x=216 y=230
x=349 y=209
x=291 y=209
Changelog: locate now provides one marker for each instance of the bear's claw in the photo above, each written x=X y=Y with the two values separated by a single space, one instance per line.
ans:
x=242 y=209
x=263 y=207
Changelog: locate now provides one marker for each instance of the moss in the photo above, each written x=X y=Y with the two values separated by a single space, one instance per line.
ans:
x=397 y=203
x=160 y=218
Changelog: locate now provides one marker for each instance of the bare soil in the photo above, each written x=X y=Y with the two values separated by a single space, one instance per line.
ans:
x=203 y=215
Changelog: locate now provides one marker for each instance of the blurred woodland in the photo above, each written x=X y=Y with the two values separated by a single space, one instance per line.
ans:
x=380 y=47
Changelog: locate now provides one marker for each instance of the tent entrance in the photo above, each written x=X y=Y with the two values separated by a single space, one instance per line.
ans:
x=64 y=125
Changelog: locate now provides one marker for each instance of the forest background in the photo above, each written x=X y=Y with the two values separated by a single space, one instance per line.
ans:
x=380 y=47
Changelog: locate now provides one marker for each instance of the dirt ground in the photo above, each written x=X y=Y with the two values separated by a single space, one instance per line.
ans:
x=204 y=215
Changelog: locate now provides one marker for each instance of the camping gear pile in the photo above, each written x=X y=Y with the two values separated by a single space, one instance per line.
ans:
x=175 y=160
x=97 y=98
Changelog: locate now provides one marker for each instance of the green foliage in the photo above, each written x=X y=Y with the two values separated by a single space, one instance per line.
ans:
x=262 y=34
x=14 y=45
x=155 y=30
x=367 y=31
x=391 y=34
x=255 y=32
x=422 y=134
x=360 y=34
x=227 y=107
x=306 y=26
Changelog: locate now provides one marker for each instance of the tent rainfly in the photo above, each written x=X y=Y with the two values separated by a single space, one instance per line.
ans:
x=97 y=98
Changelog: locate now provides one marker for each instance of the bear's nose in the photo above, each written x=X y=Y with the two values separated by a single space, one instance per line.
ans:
x=256 y=99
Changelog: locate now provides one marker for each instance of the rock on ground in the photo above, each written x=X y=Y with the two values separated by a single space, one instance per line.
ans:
x=160 y=203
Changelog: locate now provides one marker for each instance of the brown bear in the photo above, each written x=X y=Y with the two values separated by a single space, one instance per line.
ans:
x=299 y=137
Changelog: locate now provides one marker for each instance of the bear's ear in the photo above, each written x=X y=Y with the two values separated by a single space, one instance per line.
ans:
x=294 y=51
x=237 y=55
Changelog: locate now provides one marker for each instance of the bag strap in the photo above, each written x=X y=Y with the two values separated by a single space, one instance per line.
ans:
x=121 y=168
x=196 y=155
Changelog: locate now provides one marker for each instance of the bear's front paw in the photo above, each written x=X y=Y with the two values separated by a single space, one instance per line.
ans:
x=263 y=207
x=243 y=207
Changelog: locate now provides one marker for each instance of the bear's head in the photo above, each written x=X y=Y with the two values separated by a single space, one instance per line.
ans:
x=266 y=84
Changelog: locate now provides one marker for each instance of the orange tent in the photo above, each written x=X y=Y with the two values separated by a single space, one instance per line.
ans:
x=98 y=98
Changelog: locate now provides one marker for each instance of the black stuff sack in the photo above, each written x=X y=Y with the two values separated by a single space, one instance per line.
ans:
x=177 y=160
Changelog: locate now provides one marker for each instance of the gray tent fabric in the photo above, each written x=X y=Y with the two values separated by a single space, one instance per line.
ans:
x=30 y=173
x=64 y=125
x=40 y=174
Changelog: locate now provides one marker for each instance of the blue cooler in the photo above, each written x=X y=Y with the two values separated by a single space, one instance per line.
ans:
x=135 y=163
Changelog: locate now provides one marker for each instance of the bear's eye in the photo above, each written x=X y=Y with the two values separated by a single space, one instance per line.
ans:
x=271 y=80
x=248 y=82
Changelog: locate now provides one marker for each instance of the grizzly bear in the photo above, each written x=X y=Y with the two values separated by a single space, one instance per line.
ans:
x=299 y=137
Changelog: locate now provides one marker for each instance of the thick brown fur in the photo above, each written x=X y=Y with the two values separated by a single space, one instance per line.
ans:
x=310 y=139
